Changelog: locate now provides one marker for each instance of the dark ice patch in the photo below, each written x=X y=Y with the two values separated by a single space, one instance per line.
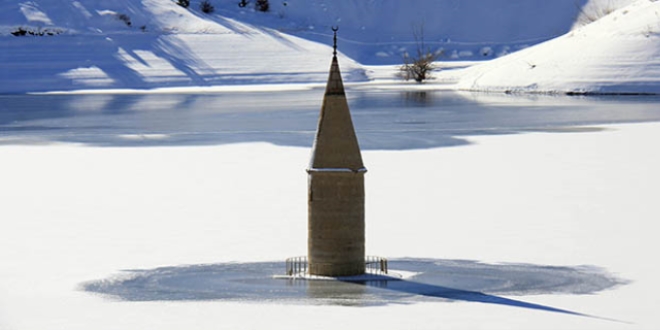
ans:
x=435 y=280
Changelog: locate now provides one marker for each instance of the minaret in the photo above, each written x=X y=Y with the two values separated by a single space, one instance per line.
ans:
x=336 y=187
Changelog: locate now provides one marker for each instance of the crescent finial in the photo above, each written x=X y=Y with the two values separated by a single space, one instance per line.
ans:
x=334 y=46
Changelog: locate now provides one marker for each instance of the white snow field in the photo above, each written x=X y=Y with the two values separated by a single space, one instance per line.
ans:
x=78 y=213
x=165 y=45
x=178 y=47
x=619 y=53
x=73 y=214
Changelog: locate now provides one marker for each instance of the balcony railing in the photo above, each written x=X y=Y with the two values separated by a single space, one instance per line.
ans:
x=299 y=266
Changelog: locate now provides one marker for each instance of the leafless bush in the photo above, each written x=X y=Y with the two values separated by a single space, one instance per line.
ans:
x=262 y=5
x=206 y=7
x=419 y=65
x=39 y=32
x=124 y=18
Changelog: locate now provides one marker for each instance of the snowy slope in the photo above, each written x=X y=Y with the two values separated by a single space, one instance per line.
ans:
x=176 y=47
x=123 y=44
x=620 y=53
x=594 y=10
x=166 y=45
x=379 y=31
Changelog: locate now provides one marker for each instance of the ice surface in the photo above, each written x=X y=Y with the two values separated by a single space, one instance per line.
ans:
x=384 y=119
x=517 y=204
x=433 y=280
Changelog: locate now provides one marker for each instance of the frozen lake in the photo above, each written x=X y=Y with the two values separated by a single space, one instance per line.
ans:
x=514 y=212
x=384 y=120
x=431 y=281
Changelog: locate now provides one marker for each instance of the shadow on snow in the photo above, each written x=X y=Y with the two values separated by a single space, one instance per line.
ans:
x=433 y=280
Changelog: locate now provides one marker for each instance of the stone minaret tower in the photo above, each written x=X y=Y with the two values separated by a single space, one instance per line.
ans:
x=336 y=187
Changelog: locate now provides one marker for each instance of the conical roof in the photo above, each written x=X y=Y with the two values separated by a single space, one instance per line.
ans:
x=336 y=145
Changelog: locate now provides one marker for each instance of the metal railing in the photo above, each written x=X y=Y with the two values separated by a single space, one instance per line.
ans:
x=296 y=265
x=300 y=265
x=376 y=265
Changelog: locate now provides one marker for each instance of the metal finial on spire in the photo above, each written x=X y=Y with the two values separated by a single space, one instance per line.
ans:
x=335 y=29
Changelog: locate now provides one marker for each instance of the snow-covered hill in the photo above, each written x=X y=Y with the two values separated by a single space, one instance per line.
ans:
x=126 y=44
x=156 y=43
x=164 y=45
x=619 y=53
x=379 y=31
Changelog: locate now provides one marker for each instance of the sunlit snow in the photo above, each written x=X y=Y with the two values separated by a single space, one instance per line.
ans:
x=152 y=163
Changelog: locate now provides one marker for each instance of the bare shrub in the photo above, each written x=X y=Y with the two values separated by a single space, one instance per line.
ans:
x=419 y=65
x=21 y=32
x=124 y=18
x=262 y=5
x=206 y=7
x=183 y=3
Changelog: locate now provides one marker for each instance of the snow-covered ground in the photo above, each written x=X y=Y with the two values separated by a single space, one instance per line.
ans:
x=76 y=213
x=178 y=47
x=73 y=214
x=619 y=53
x=158 y=44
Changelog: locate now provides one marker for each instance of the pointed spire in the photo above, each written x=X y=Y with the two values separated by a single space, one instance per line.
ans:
x=336 y=146
x=334 y=39
x=335 y=85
